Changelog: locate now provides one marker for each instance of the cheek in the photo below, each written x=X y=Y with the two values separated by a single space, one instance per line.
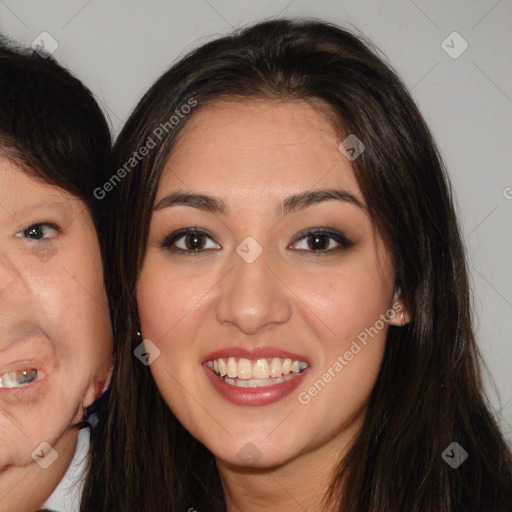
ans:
x=341 y=304
x=168 y=300
x=73 y=310
x=344 y=311
x=32 y=418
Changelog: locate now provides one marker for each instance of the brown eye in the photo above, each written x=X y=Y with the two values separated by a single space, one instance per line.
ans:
x=189 y=241
x=318 y=242
x=39 y=231
x=194 y=242
x=322 y=241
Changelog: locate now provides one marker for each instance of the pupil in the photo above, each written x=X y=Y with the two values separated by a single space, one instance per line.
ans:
x=317 y=242
x=194 y=241
x=34 y=232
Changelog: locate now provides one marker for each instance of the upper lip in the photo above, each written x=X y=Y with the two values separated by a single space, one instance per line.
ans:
x=254 y=353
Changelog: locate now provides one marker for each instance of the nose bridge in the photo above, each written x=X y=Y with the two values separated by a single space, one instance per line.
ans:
x=252 y=297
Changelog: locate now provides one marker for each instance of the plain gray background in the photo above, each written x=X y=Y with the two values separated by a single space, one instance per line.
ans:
x=118 y=48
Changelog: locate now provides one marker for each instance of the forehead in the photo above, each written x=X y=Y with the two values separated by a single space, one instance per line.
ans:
x=15 y=179
x=20 y=192
x=256 y=145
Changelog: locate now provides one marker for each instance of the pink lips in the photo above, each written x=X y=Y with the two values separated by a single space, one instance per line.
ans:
x=254 y=397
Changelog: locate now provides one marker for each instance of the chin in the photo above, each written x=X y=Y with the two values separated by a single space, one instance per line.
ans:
x=252 y=454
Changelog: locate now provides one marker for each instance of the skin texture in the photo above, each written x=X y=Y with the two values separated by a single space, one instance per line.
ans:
x=253 y=154
x=54 y=318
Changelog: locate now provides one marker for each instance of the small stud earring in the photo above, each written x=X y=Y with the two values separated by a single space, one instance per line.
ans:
x=402 y=318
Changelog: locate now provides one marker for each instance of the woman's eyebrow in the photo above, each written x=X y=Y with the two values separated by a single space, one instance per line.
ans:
x=306 y=199
x=290 y=204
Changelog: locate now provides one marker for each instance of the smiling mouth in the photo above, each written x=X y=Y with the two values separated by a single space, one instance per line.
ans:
x=262 y=372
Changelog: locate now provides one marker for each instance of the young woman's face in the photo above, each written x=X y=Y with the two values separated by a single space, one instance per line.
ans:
x=274 y=283
x=55 y=332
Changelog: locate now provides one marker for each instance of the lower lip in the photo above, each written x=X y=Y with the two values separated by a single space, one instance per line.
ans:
x=254 y=396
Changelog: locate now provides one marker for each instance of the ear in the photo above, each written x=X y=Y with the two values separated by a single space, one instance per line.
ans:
x=402 y=315
x=98 y=386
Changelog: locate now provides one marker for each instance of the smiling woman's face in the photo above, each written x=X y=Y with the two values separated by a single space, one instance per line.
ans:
x=55 y=332
x=272 y=285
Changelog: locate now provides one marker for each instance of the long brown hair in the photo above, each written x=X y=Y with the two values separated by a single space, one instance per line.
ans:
x=428 y=393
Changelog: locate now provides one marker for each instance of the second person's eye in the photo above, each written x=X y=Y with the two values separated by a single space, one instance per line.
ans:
x=39 y=231
x=17 y=378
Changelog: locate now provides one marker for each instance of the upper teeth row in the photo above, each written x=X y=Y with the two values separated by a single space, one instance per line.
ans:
x=260 y=369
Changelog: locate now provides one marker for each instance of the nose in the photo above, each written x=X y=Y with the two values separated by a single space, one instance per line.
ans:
x=253 y=297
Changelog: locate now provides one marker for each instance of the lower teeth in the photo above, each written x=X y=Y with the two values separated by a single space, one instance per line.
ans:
x=258 y=383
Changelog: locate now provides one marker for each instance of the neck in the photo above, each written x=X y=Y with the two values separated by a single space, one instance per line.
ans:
x=300 y=484
x=26 y=488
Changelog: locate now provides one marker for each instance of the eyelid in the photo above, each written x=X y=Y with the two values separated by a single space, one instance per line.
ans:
x=171 y=238
x=23 y=364
x=338 y=236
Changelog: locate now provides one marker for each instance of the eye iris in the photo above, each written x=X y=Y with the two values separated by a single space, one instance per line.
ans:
x=318 y=242
x=34 y=232
x=194 y=241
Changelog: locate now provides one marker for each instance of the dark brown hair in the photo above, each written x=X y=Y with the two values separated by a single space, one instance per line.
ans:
x=428 y=393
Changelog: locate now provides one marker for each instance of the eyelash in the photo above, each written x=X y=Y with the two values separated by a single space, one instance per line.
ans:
x=37 y=225
x=335 y=235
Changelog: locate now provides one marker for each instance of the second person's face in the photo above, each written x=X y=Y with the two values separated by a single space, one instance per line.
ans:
x=55 y=332
x=262 y=268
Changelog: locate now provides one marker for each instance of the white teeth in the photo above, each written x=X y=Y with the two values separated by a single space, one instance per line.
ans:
x=231 y=368
x=258 y=383
x=261 y=372
x=222 y=367
x=261 y=369
x=245 y=369
x=276 y=368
